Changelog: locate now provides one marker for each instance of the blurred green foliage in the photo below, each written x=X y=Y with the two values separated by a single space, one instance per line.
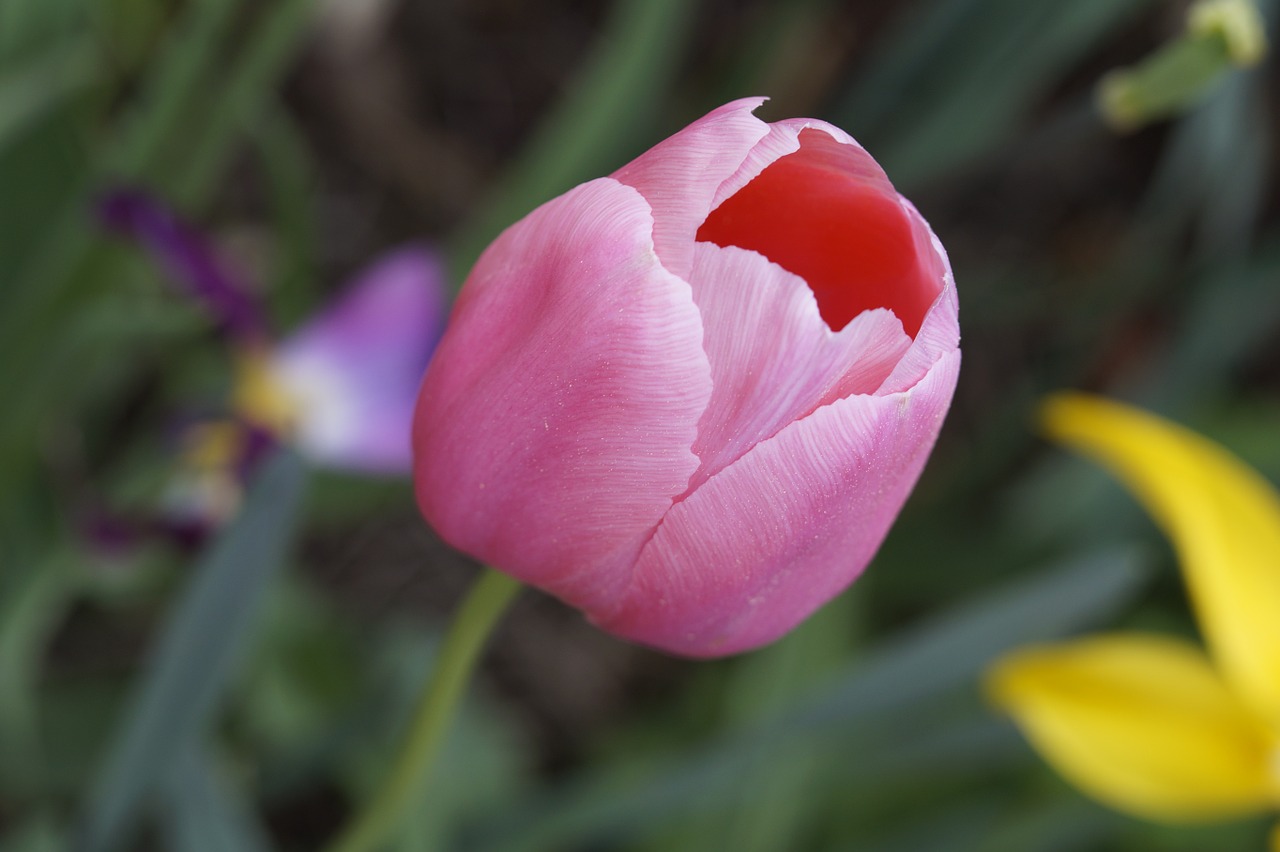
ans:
x=232 y=701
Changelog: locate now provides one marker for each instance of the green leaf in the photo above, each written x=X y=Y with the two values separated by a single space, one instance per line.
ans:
x=956 y=828
x=596 y=126
x=28 y=618
x=186 y=124
x=203 y=814
x=482 y=761
x=289 y=172
x=1214 y=170
x=30 y=91
x=951 y=649
x=37 y=834
x=919 y=665
x=196 y=654
x=173 y=84
x=32 y=24
x=775 y=806
x=956 y=78
x=1059 y=825
x=248 y=91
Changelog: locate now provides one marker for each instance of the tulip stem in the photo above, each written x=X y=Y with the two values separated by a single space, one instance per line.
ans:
x=488 y=599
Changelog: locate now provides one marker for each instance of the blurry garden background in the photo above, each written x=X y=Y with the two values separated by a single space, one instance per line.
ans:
x=307 y=137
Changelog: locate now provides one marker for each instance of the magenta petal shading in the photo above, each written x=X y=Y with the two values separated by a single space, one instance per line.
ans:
x=775 y=535
x=186 y=257
x=680 y=175
x=773 y=358
x=354 y=370
x=556 y=421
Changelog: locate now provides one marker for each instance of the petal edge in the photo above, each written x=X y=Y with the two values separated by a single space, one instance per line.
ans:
x=1222 y=517
x=1139 y=721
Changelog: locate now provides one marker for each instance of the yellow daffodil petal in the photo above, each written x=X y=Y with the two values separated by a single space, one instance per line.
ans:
x=1141 y=722
x=1223 y=519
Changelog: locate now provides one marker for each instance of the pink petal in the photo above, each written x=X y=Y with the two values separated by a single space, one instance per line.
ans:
x=773 y=358
x=355 y=368
x=556 y=423
x=940 y=330
x=772 y=537
x=680 y=175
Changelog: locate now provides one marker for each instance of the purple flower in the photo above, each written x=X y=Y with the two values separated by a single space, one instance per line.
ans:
x=340 y=388
x=186 y=257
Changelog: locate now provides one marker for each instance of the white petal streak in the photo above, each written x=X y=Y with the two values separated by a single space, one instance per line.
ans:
x=773 y=358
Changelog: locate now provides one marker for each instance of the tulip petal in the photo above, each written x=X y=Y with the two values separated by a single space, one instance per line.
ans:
x=679 y=176
x=557 y=420
x=940 y=331
x=353 y=371
x=776 y=534
x=1141 y=722
x=773 y=358
x=1223 y=519
x=812 y=200
x=783 y=138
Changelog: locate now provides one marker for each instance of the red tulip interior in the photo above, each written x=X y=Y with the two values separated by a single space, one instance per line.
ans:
x=817 y=217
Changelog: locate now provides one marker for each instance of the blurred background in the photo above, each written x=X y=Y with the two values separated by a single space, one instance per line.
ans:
x=176 y=691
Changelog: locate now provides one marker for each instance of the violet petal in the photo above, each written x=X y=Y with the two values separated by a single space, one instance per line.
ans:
x=354 y=368
x=186 y=257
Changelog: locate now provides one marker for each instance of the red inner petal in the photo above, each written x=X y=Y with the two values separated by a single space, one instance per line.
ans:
x=852 y=242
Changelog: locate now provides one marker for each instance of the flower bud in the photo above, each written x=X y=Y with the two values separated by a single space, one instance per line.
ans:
x=690 y=398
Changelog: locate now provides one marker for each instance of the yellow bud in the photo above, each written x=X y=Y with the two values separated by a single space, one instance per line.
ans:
x=1236 y=22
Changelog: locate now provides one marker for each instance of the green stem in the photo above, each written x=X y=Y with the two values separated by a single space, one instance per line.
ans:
x=488 y=599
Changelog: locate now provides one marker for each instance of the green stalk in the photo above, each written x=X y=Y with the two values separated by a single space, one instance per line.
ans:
x=488 y=599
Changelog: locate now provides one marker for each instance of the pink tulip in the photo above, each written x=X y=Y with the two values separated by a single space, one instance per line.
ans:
x=690 y=398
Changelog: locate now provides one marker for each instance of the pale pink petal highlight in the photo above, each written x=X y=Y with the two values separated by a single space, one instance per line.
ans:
x=679 y=176
x=773 y=358
x=840 y=149
x=774 y=536
x=557 y=420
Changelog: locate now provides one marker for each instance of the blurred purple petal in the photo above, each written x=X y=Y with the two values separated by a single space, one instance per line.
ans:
x=258 y=444
x=186 y=256
x=354 y=369
x=216 y=458
x=107 y=534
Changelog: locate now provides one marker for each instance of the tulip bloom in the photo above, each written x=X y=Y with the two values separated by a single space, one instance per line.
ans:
x=691 y=397
x=1151 y=724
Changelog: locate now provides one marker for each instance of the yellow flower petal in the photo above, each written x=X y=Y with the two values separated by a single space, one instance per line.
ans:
x=1223 y=519
x=1141 y=722
x=260 y=397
